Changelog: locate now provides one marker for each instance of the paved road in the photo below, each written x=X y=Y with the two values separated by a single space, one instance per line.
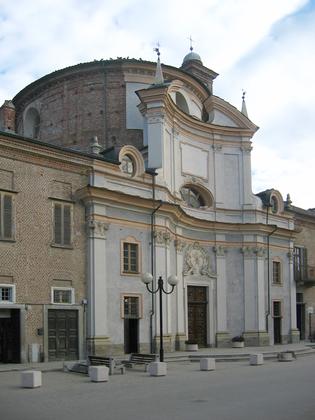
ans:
x=274 y=391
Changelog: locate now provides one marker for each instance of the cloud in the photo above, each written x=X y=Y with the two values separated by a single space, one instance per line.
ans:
x=262 y=46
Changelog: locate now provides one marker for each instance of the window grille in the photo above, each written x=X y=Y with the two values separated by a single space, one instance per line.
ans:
x=64 y=296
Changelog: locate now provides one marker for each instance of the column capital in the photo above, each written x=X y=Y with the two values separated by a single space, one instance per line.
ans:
x=220 y=250
x=179 y=245
x=97 y=228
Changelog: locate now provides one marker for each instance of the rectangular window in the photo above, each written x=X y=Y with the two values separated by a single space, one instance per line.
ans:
x=6 y=216
x=7 y=293
x=63 y=295
x=277 y=309
x=130 y=258
x=276 y=272
x=62 y=224
x=300 y=264
x=131 y=307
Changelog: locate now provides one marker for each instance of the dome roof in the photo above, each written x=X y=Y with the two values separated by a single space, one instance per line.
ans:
x=192 y=56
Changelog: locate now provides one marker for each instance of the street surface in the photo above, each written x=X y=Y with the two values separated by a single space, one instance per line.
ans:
x=237 y=391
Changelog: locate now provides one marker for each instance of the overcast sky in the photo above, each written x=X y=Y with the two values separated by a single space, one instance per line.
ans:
x=265 y=47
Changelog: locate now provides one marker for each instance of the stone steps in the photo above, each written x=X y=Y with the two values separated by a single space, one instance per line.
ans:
x=233 y=357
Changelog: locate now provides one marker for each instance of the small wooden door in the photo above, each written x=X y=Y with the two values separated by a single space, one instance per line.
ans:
x=63 y=334
x=197 y=314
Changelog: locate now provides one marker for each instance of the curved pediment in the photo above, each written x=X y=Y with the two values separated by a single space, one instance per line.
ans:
x=224 y=114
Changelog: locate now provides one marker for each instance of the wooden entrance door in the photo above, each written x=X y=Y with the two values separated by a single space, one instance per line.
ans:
x=10 y=336
x=63 y=334
x=197 y=314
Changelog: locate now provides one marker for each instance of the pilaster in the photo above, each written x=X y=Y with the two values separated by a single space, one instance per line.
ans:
x=221 y=306
x=97 y=323
x=180 y=337
x=254 y=296
x=295 y=333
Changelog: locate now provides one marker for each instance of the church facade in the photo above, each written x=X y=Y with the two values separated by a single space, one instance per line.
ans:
x=159 y=170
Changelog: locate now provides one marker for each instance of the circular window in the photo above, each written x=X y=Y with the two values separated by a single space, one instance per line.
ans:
x=192 y=197
x=127 y=165
x=274 y=204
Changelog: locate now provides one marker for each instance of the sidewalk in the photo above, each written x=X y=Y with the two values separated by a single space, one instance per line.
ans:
x=223 y=353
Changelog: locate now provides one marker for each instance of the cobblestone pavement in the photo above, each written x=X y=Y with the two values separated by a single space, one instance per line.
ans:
x=233 y=391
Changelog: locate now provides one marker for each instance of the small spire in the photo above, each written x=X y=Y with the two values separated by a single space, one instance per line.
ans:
x=159 y=79
x=244 y=109
x=288 y=203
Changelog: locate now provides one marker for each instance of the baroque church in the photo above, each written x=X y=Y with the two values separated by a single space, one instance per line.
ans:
x=115 y=168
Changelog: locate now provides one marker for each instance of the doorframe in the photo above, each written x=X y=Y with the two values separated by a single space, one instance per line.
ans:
x=209 y=283
x=23 y=310
x=81 y=340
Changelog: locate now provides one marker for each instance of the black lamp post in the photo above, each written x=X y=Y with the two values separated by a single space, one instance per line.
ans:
x=172 y=281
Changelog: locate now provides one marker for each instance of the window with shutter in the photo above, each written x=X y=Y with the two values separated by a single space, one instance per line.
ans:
x=62 y=224
x=6 y=216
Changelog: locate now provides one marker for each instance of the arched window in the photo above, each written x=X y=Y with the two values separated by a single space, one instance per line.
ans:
x=181 y=102
x=32 y=123
x=196 y=196
x=274 y=204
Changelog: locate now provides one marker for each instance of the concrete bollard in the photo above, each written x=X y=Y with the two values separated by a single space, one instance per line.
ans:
x=207 y=363
x=157 y=369
x=256 y=359
x=286 y=356
x=98 y=373
x=31 y=379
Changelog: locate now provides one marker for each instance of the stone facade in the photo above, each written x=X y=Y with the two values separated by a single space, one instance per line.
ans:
x=165 y=188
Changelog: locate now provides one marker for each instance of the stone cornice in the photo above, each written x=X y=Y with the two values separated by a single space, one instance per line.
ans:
x=44 y=155
x=176 y=213
x=184 y=122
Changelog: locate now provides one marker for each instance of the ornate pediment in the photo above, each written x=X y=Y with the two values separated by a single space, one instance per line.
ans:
x=197 y=261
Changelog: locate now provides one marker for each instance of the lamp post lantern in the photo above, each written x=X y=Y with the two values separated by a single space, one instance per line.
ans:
x=172 y=281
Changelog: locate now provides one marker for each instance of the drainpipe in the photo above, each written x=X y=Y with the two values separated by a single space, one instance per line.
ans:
x=152 y=312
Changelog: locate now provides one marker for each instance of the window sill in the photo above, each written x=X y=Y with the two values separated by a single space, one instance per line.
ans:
x=61 y=246
x=127 y=273
x=7 y=240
